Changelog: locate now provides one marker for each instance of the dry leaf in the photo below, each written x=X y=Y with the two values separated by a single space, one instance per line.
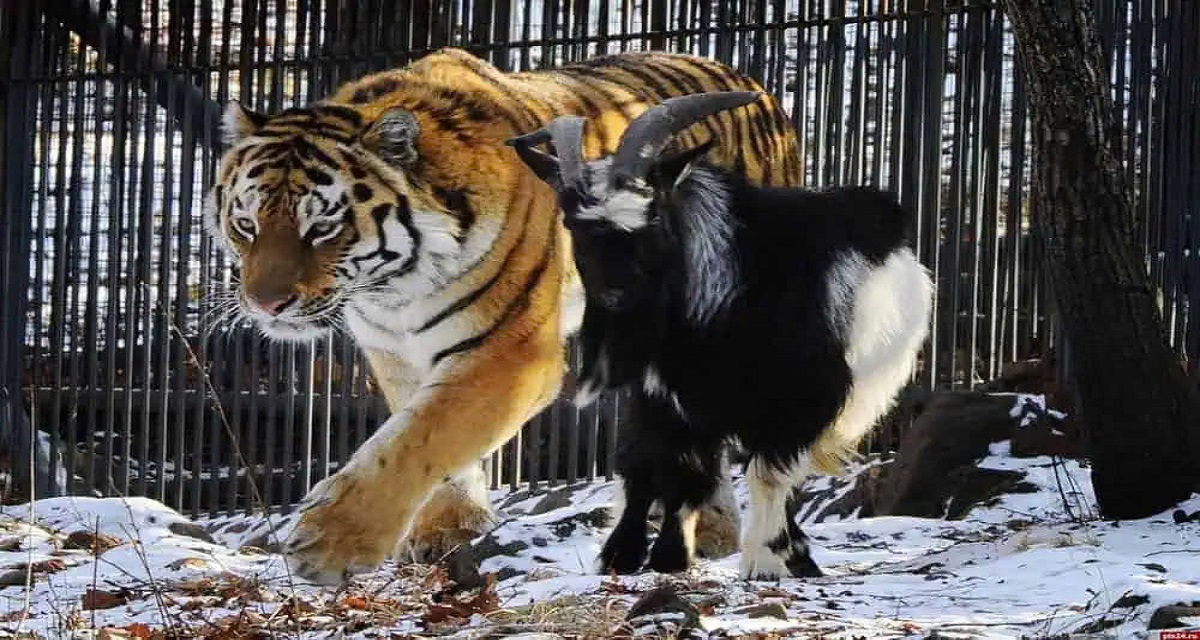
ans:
x=189 y=563
x=53 y=565
x=97 y=543
x=97 y=599
x=140 y=630
x=486 y=601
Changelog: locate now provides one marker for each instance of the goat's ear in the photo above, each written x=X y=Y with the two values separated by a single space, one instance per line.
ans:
x=393 y=137
x=670 y=171
x=544 y=166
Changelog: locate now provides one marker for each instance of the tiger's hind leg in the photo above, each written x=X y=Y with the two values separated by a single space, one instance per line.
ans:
x=457 y=512
x=719 y=524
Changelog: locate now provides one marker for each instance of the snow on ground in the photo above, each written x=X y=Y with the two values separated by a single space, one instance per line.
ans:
x=1032 y=564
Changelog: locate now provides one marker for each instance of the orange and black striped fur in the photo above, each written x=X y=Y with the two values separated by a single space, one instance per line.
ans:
x=393 y=211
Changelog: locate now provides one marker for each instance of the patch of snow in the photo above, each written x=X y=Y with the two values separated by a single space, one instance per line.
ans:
x=1030 y=564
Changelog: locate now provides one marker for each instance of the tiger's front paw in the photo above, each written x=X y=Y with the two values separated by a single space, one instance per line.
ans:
x=341 y=531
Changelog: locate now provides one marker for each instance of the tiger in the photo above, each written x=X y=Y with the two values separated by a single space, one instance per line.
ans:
x=392 y=211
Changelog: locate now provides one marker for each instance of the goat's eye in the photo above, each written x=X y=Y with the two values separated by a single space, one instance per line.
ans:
x=246 y=227
x=324 y=231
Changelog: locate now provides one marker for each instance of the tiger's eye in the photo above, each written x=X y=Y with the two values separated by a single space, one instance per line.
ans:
x=322 y=231
x=245 y=226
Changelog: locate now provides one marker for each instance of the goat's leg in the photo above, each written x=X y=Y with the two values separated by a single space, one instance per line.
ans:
x=773 y=545
x=625 y=549
x=676 y=543
x=687 y=483
x=640 y=448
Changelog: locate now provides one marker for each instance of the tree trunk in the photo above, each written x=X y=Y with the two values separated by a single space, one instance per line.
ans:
x=1137 y=406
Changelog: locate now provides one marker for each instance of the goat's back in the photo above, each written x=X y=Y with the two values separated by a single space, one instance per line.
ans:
x=817 y=222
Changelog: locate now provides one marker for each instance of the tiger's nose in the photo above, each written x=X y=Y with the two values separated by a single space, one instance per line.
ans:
x=273 y=306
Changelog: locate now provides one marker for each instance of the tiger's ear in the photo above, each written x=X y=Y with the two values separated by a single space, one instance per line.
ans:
x=393 y=137
x=239 y=122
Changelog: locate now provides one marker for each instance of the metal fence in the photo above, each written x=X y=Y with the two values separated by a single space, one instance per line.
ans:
x=109 y=141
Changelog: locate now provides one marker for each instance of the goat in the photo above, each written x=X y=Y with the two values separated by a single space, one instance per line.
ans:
x=785 y=318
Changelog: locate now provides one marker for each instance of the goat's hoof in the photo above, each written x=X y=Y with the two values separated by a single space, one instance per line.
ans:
x=804 y=567
x=622 y=561
x=669 y=560
x=761 y=563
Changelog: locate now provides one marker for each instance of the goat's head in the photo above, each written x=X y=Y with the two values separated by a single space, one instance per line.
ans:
x=614 y=205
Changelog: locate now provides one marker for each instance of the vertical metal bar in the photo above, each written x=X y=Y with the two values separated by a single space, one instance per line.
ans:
x=991 y=115
x=951 y=264
x=276 y=465
x=929 y=165
x=121 y=127
x=140 y=289
x=187 y=251
x=77 y=233
x=611 y=413
x=207 y=453
x=57 y=126
x=575 y=424
x=166 y=257
x=502 y=34
x=208 y=263
x=1014 y=214
x=91 y=330
x=18 y=103
x=553 y=445
x=346 y=372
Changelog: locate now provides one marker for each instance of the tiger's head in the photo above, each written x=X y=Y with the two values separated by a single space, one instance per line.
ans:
x=320 y=210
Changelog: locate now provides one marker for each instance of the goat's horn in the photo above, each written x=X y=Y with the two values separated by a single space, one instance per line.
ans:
x=529 y=139
x=646 y=136
x=566 y=134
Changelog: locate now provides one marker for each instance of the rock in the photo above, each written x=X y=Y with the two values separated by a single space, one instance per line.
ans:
x=764 y=610
x=13 y=578
x=1170 y=616
x=933 y=474
x=463 y=568
x=507 y=572
x=1181 y=517
x=661 y=611
x=954 y=430
x=190 y=530
x=557 y=499
x=265 y=541
x=1023 y=376
x=1041 y=432
x=489 y=547
x=861 y=499
x=598 y=517
x=974 y=486
x=1130 y=601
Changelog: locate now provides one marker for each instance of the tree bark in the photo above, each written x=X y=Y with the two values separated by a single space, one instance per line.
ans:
x=1139 y=409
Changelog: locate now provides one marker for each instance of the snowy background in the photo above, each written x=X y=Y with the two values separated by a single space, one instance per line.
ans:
x=1032 y=564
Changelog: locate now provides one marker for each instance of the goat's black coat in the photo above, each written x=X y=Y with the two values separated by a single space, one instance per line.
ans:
x=769 y=369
